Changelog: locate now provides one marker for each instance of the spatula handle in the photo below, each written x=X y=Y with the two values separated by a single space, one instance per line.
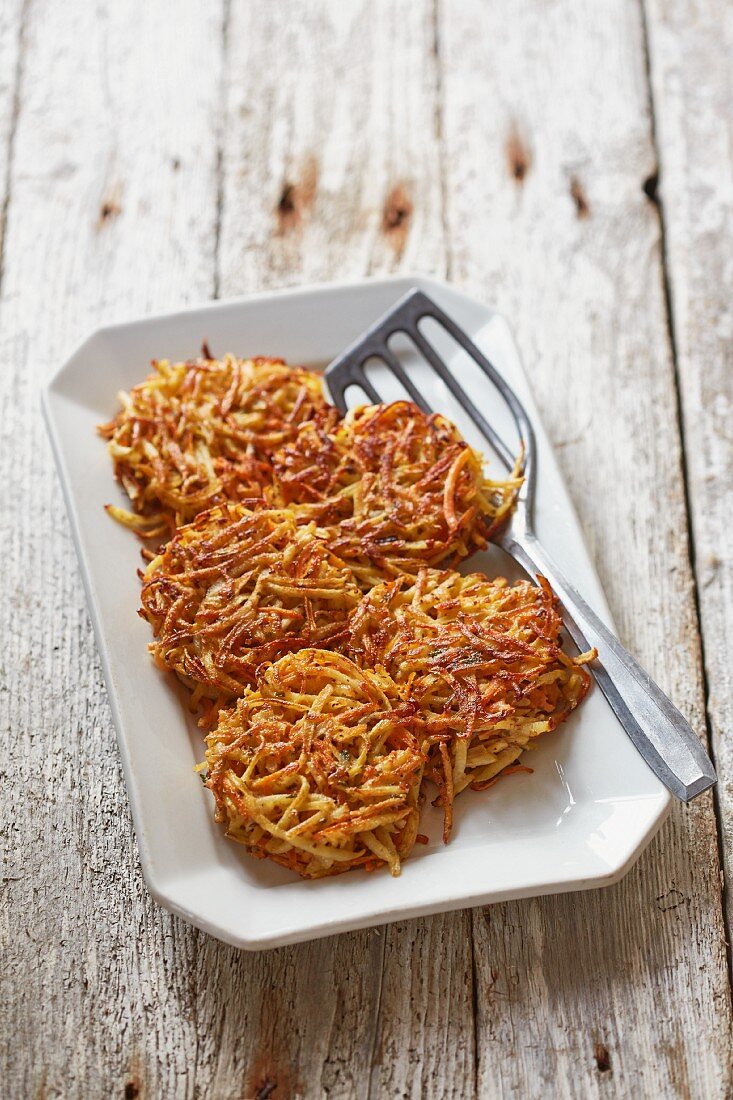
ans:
x=663 y=737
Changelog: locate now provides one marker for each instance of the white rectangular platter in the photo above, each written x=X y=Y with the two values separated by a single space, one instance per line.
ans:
x=579 y=820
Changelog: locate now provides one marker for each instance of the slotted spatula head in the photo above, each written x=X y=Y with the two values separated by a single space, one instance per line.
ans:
x=404 y=318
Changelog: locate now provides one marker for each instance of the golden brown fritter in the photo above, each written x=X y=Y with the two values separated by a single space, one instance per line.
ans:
x=395 y=489
x=237 y=589
x=482 y=662
x=202 y=432
x=318 y=769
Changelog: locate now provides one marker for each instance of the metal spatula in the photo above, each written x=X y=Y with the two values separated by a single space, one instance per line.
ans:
x=655 y=726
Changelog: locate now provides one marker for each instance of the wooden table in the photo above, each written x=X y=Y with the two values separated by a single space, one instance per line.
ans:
x=570 y=163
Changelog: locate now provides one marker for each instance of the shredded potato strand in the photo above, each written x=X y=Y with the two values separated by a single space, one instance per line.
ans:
x=482 y=662
x=318 y=769
x=202 y=432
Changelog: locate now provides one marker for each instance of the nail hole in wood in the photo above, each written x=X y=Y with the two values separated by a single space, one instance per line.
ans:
x=518 y=155
x=265 y=1089
x=602 y=1057
x=396 y=216
x=650 y=187
x=582 y=208
x=286 y=202
x=108 y=211
x=287 y=210
x=297 y=196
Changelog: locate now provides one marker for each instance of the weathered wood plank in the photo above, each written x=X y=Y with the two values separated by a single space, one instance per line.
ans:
x=332 y=170
x=112 y=212
x=548 y=149
x=690 y=56
x=11 y=43
x=330 y=140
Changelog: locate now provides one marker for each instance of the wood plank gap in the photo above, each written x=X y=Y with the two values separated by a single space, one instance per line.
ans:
x=221 y=129
x=440 y=139
x=14 y=116
x=475 y=994
x=374 y=1083
x=656 y=198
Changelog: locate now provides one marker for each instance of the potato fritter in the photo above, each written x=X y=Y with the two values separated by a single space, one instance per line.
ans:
x=237 y=589
x=395 y=489
x=202 y=432
x=318 y=769
x=482 y=662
